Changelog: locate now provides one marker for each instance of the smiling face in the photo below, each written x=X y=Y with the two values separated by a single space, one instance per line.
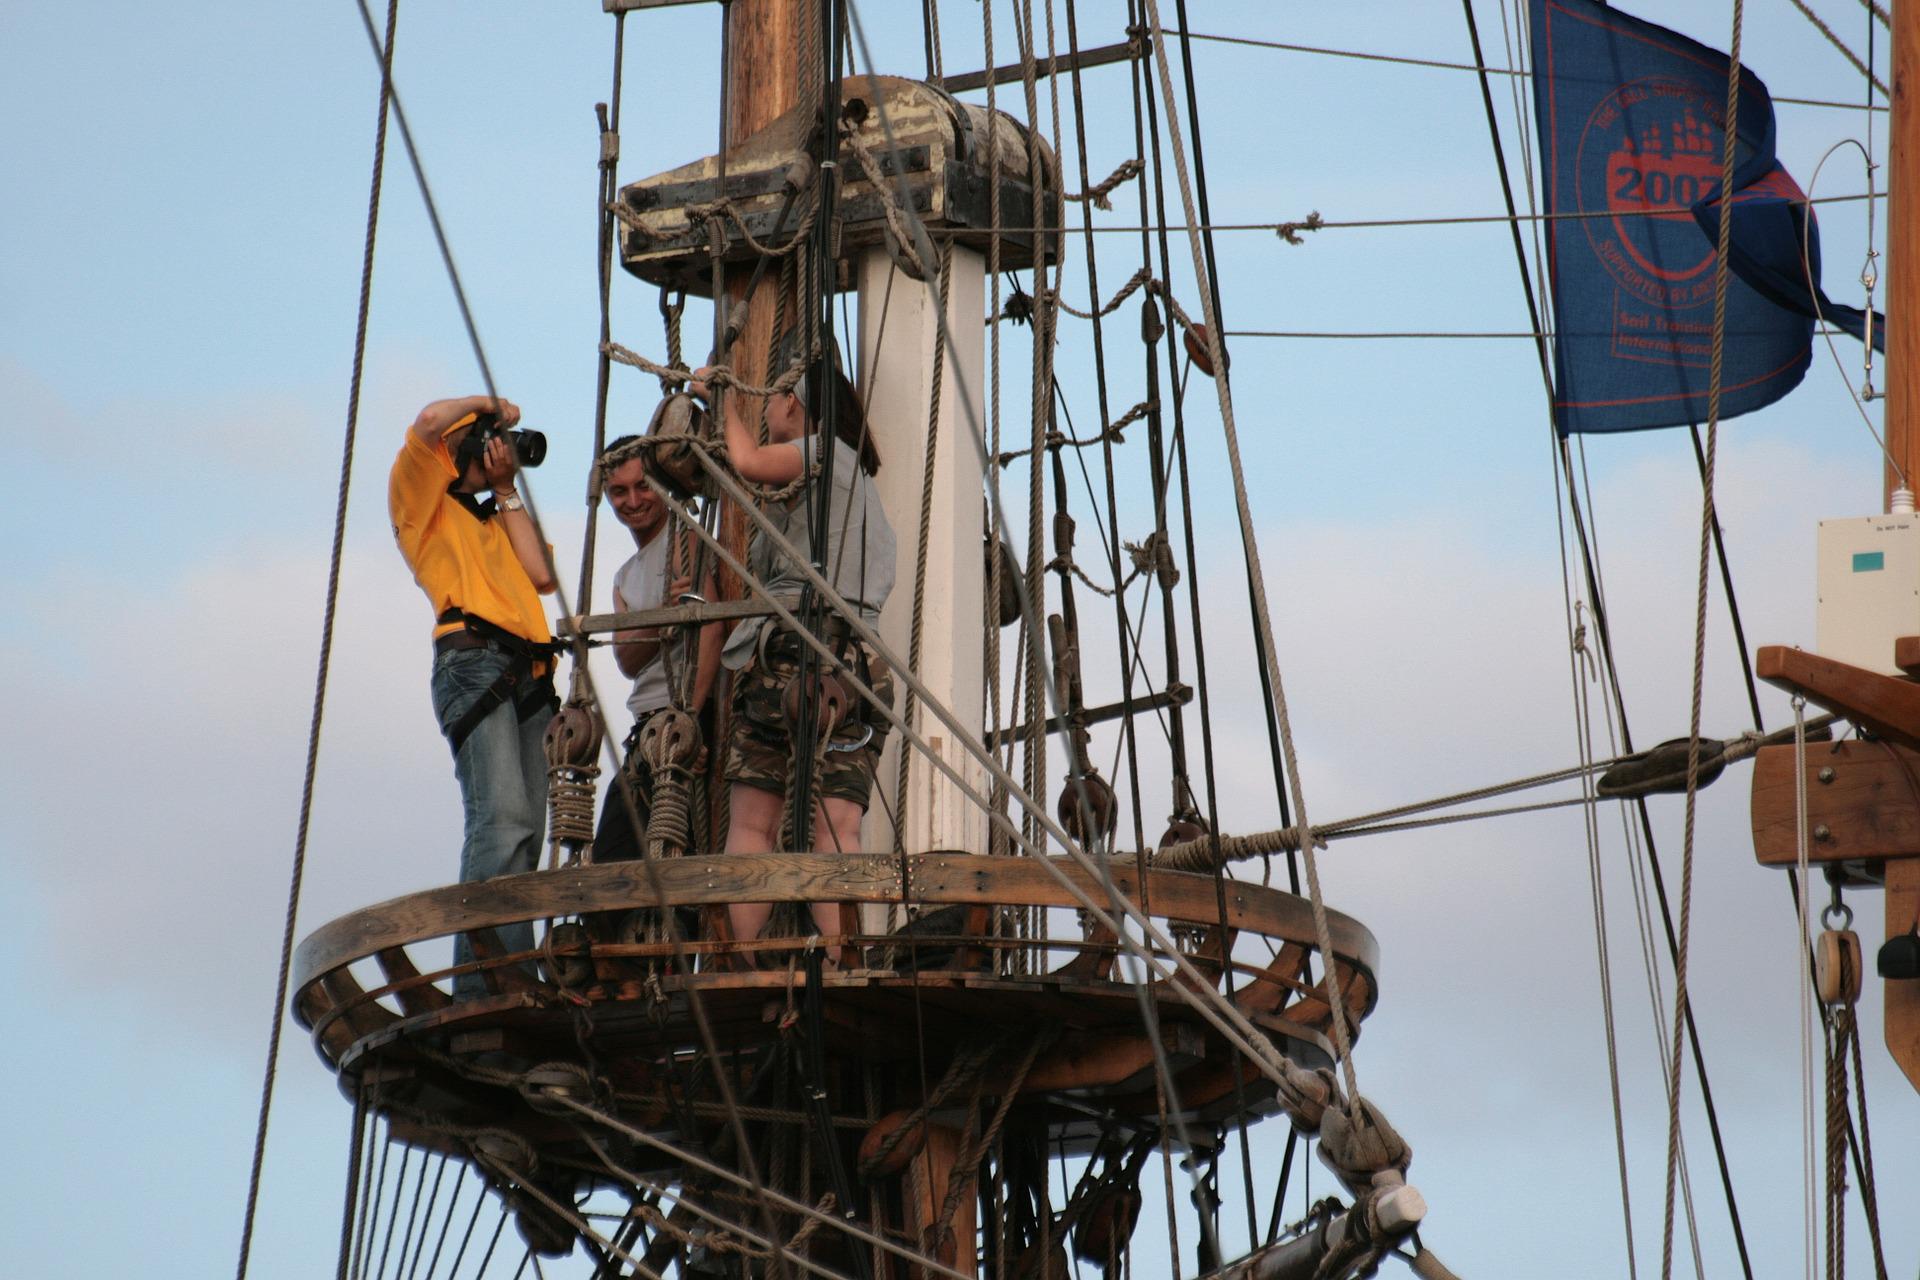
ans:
x=634 y=504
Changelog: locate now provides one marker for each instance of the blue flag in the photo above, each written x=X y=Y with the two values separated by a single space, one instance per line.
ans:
x=1631 y=119
x=1775 y=247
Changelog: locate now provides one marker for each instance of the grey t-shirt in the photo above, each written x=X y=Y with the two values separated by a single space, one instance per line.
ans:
x=858 y=558
x=642 y=584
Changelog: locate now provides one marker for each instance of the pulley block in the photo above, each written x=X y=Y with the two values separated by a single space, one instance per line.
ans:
x=1087 y=809
x=1836 y=966
x=669 y=740
x=876 y=1159
x=678 y=419
x=573 y=736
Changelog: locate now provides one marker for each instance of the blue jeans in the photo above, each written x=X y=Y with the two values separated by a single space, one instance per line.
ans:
x=502 y=769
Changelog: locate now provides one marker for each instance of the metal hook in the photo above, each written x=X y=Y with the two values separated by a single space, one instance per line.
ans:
x=1837 y=909
x=865 y=738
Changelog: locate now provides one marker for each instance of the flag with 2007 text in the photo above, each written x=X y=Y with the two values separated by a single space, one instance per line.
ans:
x=1632 y=122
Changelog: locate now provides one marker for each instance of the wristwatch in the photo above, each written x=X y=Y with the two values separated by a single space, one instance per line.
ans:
x=510 y=502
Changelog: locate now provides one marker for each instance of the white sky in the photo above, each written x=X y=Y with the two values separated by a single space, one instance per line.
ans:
x=182 y=245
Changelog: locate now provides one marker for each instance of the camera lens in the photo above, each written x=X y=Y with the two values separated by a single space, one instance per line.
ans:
x=529 y=446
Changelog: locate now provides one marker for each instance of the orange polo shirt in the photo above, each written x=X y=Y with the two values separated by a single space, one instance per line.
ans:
x=459 y=560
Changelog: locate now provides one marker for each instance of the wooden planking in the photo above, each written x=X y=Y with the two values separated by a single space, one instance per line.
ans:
x=1902 y=995
x=798 y=877
x=1869 y=807
x=1885 y=704
x=1176 y=895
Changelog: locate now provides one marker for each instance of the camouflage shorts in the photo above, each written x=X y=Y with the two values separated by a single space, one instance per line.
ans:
x=760 y=750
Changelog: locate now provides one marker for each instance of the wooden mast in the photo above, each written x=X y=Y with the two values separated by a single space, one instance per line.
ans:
x=762 y=82
x=1902 y=1008
x=1855 y=813
x=764 y=44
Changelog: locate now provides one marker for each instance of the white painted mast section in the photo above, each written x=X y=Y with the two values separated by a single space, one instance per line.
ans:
x=899 y=342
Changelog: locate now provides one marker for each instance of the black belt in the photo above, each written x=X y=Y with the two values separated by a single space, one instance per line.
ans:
x=528 y=692
x=466 y=640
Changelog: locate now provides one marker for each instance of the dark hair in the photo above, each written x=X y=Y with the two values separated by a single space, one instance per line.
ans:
x=615 y=445
x=850 y=418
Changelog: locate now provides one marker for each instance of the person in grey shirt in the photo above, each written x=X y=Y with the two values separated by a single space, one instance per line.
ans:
x=646 y=580
x=857 y=557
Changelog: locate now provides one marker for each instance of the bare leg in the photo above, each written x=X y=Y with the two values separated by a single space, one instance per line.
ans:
x=753 y=817
x=836 y=827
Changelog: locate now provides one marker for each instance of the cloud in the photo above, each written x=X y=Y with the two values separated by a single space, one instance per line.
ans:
x=156 y=803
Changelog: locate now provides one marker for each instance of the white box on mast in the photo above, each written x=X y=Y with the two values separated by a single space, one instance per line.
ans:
x=1869 y=576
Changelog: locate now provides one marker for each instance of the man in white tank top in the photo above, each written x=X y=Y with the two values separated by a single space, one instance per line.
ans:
x=645 y=581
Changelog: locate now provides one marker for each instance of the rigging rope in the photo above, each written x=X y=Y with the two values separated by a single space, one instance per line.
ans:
x=1256 y=579
x=1616 y=704
x=1721 y=274
x=325 y=660
x=1209 y=1004
x=1858 y=65
x=1515 y=72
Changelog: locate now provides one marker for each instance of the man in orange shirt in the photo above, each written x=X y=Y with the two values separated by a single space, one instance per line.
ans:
x=484 y=568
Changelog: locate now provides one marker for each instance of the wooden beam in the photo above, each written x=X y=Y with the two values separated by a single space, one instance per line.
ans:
x=1111 y=1061
x=586 y=624
x=1888 y=706
x=937 y=1158
x=1177 y=695
x=809 y=877
x=1906 y=654
x=1863 y=802
x=414 y=994
x=1902 y=995
x=1012 y=72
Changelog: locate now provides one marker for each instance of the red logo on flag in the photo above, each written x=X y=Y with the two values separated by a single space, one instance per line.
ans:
x=1650 y=151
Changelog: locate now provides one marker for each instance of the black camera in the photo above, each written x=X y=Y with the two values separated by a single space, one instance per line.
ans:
x=530 y=447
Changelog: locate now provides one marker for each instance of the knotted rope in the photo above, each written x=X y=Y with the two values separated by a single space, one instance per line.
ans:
x=1098 y=193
